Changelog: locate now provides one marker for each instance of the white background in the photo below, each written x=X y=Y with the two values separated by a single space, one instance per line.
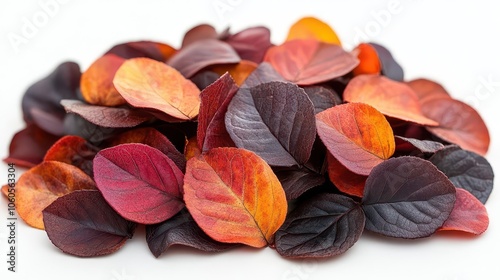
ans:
x=453 y=42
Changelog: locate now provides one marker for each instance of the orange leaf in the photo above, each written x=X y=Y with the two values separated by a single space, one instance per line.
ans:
x=234 y=196
x=427 y=89
x=308 y=62
x=97 y=82
x=313 y=28
x=40 y=186
x=239 y=72
x=357 y=135
x=191 y=150
x=458 y=123
x=346 y=181
x=369 y=62
x=146 y=83
x=393 y=99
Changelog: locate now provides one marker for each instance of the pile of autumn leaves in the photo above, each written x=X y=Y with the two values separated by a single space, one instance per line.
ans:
x=233 y=140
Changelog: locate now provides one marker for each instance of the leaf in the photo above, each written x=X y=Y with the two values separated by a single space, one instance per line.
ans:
x=191 y=149
x=357 y=135
x=96 y=135
x=146 y=83
x=28 y=146
x=251 y=43
x=458 y=124
x=314 y=29
x=390 y=67
x=424 y=146
x=239 y=72
x=407 y=197
x=275 y=120
x=308 y=62
x=466 y=170
x=345 y=180
x=154 y=50
x=468 y=215
x=234 y=196
x=200 y=54
x=97 y=81
x=40 y=103
x=323 y=226
x=139 y=182
x=204 y=78
x=215 y=100
x=322 y=97
x=181 y=230
x=427 y=89
x=369 y=62
x=83 y=224
x=106 y=116
x=44 y=183
x=264 y=73
x=73 y=150
x=198 y=33
x=393 y=99
x=152 y=137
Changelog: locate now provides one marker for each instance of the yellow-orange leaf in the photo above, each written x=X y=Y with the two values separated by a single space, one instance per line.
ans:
x=44 y=183
x=97 y=82
x=369 y=62
x=234 y=196
x=239 y=72
x=146 y=83
x=357 y=135
x=313 y=28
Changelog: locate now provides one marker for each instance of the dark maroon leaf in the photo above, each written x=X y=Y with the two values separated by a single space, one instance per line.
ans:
x=390 y=67
x=106 y=116
x=40 y=103
x=424 y=146
x=153 y=50
x=199 y=32
x=323 y=226
x=28 y=146
x=181 y=229
x=407 y=197
x=155 y=139
x=201 y=54
x=95 y=134
x=140 y=182
x=466 y=170
x=275 y=120
x=263 y=74
x=322 y=97
x=251 y=43
x=81 y=223
x=205 y=78
x=215 y=99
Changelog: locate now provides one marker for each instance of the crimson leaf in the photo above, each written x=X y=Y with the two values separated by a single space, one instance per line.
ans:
x=322 y=226
x=466 y=170
x=407 y=197
x=81 y=223
x=275 y=120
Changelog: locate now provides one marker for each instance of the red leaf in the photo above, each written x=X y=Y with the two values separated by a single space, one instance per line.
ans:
x=139 y=182
x=468 y=215
x=251 y=43
x=73 y=150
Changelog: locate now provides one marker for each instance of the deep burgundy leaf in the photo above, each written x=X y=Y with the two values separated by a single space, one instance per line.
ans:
x=204 y=78
x=181 y=229
x=322 y=97
x=28 y=146
x=95 y=134
x=264 y=73
x=424 y=146
x=466 y=170
x=149 y=49
x=390 y=67
x=407 y=197
x=251 y=43
x=155 y=139
x=40 y=103
x=81 y=223
x=140 y=182
x=106 y=116
x=201 y=54
x=275 y=120
x=323 y=226
x=215 y=99
x=197 y=33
